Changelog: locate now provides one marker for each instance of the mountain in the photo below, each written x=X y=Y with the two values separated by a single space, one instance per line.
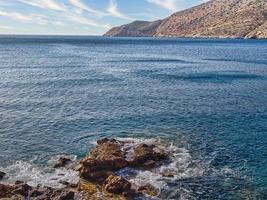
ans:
x=216 y=18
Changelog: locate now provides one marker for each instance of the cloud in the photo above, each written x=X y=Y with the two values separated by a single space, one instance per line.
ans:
x=49 y=4
x=167 y=4
x=16 y=16
x=81 y=20
x=32 y=18
x=114 y=11
x=82 y=7
x=66 y=14
x=61 y=14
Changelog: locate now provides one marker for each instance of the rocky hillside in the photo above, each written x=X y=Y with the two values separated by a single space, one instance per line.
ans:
x=216 y=18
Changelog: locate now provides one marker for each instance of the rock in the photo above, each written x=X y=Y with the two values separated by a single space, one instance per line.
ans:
x=106 y=157
x=105 y=140
x=117 y=185
x=22 y=189
x=145 y=154
x=65 y=195
x=47 y=193
x=19 y=182
x=62 y=162
x=148 y=189
x=168 y=174
x=149 y=164
x=5 y=191
x=69 y=185
x=2 y=174
x=15 y=197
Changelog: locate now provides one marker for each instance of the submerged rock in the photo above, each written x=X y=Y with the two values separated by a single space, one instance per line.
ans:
x=62 y=162
x=149 y=190
x=2 y=174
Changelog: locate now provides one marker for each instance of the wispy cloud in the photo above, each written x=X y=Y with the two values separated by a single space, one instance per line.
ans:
x=114 y=11
x=83 y=7
x=49 y=4
x=16 y=16
x=65 y=13
x=167 y=4
x=30 y=18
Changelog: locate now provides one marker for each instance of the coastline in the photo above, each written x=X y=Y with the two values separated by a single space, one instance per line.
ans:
x=109 y=171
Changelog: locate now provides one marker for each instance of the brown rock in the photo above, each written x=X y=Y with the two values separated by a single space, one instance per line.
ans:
x=105 y=140
x=62 y=162
x=106 y=157
x=145 y=155
x=168 y=174
x=117 y=185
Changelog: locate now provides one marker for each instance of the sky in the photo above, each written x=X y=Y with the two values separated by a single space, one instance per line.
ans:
x=81 y=17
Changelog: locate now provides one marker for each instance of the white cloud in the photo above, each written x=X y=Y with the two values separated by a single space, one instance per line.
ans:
x=49 y=4
x=16 y=16
x=65 y=13
x=114 y=11
x=167 y=4
x=32 y=18
x=79 y=19
x=83 y=7
x=62 y=14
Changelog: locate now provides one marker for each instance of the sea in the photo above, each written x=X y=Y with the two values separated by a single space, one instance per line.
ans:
x=205 y=98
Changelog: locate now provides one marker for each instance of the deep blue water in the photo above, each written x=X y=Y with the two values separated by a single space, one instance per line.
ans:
x=58 y=94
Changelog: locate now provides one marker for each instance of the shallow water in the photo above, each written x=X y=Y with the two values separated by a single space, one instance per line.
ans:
x=58 y=95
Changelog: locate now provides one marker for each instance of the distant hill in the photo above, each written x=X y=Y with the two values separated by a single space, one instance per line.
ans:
x=216 y=18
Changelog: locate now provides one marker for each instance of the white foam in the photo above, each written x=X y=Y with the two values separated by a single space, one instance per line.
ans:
x=34 y=175
x=180 y=166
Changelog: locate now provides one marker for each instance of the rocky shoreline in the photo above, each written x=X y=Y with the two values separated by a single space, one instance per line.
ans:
x=99 y=174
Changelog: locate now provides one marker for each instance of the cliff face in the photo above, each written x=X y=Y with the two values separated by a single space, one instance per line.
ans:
x=137 y=28
x=216 y=18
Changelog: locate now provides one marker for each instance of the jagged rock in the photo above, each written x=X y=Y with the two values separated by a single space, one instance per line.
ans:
x=62 y=162
x=105 y=158
x=2 y=174
x=47 y=193
x=117 y=185
x=22 y=189
x=145 y=155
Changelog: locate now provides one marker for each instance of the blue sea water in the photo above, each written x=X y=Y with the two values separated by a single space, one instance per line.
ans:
x=59 y=94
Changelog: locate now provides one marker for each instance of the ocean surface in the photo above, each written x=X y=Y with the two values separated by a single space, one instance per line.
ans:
x=205 y=97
